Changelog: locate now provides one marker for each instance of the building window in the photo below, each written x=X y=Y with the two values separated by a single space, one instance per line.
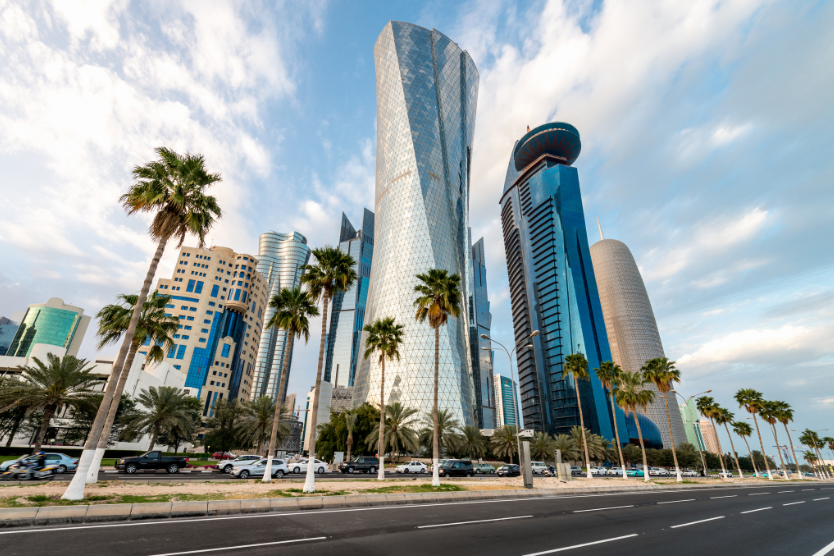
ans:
x=206 y=321
x=187 y=327
x=203 y=340
x=209 y=312
x=204 y=330
x=215 y=290
x=225 y=352
x=211 y=303
x=189 y=318
x=190 y=287
x=181 y=352
x=199 y=288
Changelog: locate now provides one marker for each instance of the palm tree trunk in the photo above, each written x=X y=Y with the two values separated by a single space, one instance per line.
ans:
x=617 y=436
x=764 y=455
x=581 y=424
x=753 y=461
x=15 y=426
x=49 y=411
x=733 y=448
x=154 y=434
x=793 y=453
x=778 y=451
x=273 y=437
x=381 y=476
x=435 y=443
x=821 y=461
x=75 y=490
x=349 y=443
x=310 y=482
x=104 y=439
x=720 y=449
x=672 y=438
x=643 y=448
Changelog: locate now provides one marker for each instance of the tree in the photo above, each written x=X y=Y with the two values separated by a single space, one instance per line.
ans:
x=385 y=337
x=258 y=418
x=63 y=381
x=332 y=273
x=334 y=436
x=576 y=367
x=784 y=415
x=350 y=424
x=446 y=431
x=744 y=431
x=503 y=442
x=10 y=419
x=165 y=408
x=725 y=416
x=608 y=374
x=472 y=443
x=292 y=311
x=812 y=440
x=709 y=409
x=751 y=400
x=631 y=396
x=688 y=455
x=399 y=434
x=225 y=426
x=663 y=373
x=567 y=445
x=769 y=410
x=85 y=414
x=632 y=453
x=173 y=188
x=541 y=447
x=594 y=443
x=183 y=430
x=438 y=299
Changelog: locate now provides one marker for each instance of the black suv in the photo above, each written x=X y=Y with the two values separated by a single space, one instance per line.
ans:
x=510 y=470
x=456 y=468
x=363 y=464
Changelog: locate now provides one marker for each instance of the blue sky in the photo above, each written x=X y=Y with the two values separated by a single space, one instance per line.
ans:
x=707 y=132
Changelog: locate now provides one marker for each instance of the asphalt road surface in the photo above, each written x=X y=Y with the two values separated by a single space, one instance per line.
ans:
x=793 y=519
x=218 y=476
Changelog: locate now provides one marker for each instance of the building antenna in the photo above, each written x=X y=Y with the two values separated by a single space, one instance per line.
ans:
x=600 y=229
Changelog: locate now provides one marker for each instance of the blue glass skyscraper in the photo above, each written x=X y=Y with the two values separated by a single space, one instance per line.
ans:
x=552 y=284
x=480 y=320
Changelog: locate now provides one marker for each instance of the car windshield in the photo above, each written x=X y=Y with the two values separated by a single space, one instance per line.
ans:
x=449 y=464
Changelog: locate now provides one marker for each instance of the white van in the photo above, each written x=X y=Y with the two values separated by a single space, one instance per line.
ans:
x=539 y=467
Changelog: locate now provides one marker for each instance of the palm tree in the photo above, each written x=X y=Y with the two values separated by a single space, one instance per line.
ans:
x=174 y=189
x=596 y=450
x=292 y=309
x=724 y=417
x=166 y=407
x=350 y=423
x=812 y=459
x=631 y=396
x=784 y=415
x=384 y=336
x=710 y=409
x=567 y=446
x=751 y=400
x=258 y=417
x=608 y=374
x=439 y=298
x=399 y=433
x=447 y=429
x=664 y=374
x=744 y=430
x=812 y=440
x=576 y=367
x=332 y=273
x=155 y=329
x=503 y=442
x=541 y=446
x=63 y=381
x=769 y=410
x=472 y=442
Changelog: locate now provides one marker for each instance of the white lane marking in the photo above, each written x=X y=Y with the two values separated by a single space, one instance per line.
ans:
x=694 y=522
x=477 y=521
x=825 y=550
x=784 y=491
x=817 y=499
x=807 y=489
x=600 y=509
x=758 y=493
x=717 y=497
x=758 y=510
x=581 y=545
x=676 y=501
x=792 y=503
x=240 y=546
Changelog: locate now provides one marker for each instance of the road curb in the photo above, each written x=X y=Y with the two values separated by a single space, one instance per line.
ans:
x=51 y=515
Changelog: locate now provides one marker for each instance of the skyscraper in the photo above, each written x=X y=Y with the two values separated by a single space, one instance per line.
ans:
x=427 y=90
x=506 y=408
x=52 y=323
x=629 y=321
x=480 y=320
x=710 y=437
x=347 y=315
x=689 y=416
x=552 y=284
x=280 y=258
x=219 y=298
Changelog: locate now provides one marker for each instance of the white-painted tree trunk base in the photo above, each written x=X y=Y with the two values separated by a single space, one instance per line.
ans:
x=75 y=490
x=678 y=473
x=95 y=465
x=435 y=472
x=310 y=481
x=381 y=475
x=268 y=469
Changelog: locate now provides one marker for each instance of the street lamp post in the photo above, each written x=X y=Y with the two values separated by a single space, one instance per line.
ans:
x=686 y=403
x=516 y=400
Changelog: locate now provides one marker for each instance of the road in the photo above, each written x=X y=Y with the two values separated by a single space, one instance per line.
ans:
x=218 y=476
x=790 y=519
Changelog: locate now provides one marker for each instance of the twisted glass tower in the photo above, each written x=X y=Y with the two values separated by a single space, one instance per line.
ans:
x=427 y=89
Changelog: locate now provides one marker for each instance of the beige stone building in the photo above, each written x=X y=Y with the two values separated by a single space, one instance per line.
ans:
x=710 y=437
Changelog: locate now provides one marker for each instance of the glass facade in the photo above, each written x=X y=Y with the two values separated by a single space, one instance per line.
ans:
x=280 y=258
x=652 y=438
x=552 y=284
x=427 y=91
x=44 y=325
x=8 y=329
x=689 y=417
x=479 y=323
x=506 y=408
x=347 y=315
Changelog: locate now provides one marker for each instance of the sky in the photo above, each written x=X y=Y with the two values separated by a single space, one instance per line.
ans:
x=707 y=130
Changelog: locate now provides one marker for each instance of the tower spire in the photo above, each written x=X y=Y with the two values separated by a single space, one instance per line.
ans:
x=600 y=229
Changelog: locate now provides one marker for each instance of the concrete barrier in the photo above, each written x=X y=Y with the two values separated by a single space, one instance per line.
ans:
x=258 y=505
x=283 y=504
x=54 y=515
x=17 y=517
x=155 y=510
x=186 y=509
x=223 y=507
x=108 y=512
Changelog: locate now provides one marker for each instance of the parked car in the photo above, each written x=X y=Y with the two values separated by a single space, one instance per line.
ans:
x=226 y=465
x=411 y=467
x=658 y=472
x=301 y=466
x=258 y=467
x=634 y=472
x=689 y=473
x=61 y=462
x=539 y=467
x=223 y=455
x=440 y=463
x=599 y=471
x=483 y=468
x=574 y=470
x=616 y=471
x=727 y=475
x=360 y=464
x=509 y=470
x=152 y=461
x=456 y=468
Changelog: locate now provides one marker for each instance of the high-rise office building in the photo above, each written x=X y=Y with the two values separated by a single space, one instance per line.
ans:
x=280 y=258
x=552 y=284
x=710 y=437
x=347 y=313
x=220 y=299
x=689 y=416
x=630 y=324
x=52 y=323
x=506 y=408
x=8 y=329
x=480 y=320
x=427 y=90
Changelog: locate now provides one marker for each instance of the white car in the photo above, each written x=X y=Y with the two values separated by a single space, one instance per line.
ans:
x=411 y=467
x=257 y=469
x=658 y=472
x=226 y=466
x=301 y=466
x=538 y=467
x=599 y=471
x=689 y=474
x=616 y=471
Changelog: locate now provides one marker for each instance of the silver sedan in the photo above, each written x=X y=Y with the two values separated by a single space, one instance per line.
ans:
x=257 y=468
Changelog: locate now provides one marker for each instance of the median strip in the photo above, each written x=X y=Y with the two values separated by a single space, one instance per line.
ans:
x=470 y=522
x=757 y=510
x=696 y=522
x=240 y=546
x=581 y=545
x=600 y=509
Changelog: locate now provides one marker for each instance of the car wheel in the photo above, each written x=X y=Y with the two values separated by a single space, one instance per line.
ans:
x=61 y=469
x=423 y=470
x=227 y=469
x=320 y=470
x=405 y=470
x=244 y=474
x=130 y=468
x=173 y=468
x=372 y=470
x=492 y=472
x=296 y=470
x=468 y=474
x=350 y=470
x=279 y=474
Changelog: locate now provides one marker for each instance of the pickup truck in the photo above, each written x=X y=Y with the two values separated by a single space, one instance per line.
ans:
x=152 y=460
